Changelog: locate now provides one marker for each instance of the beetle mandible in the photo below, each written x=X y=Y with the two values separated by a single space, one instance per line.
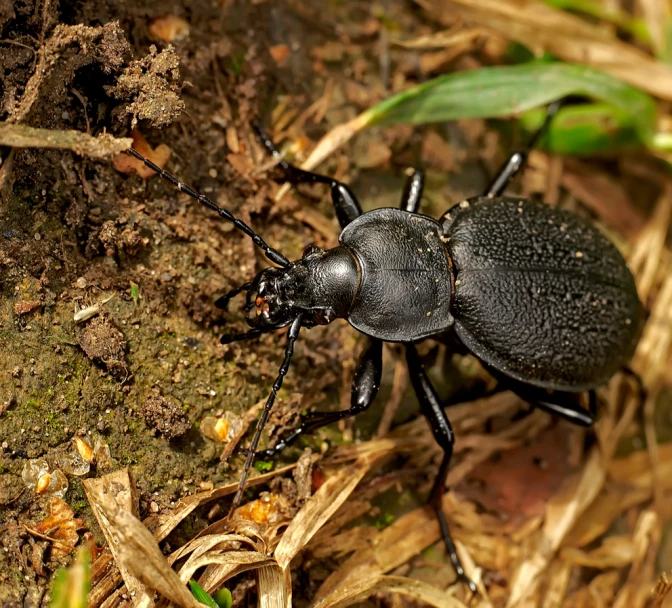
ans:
x=540 y=296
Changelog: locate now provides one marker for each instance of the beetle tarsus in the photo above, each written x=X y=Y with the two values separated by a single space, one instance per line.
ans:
x=345 y=202
x=517 y=160
x=431 y=408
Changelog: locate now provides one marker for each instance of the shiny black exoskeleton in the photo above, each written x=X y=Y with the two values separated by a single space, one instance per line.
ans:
x=539 y=295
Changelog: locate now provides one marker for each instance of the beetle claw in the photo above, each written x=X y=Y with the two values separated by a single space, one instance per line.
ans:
x=469 y=583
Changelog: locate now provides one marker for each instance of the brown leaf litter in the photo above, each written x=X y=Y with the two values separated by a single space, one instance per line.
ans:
x=59 y=528
x=125 y=163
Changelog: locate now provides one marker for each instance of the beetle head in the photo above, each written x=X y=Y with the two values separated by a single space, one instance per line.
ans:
x=319 y=287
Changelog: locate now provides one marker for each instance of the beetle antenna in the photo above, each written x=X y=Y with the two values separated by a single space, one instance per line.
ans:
x=274 y=256
x=292 y=335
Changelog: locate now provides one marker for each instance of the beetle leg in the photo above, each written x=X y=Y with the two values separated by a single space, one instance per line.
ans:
x=566 y=406
x=345 y=202
x=223 y=301
x=292 y=336
x=410 y=199
x=560 y=403
x=365 y=384
x=248 y=335
x=641 y=389
x=432 y=409
x=515 y=162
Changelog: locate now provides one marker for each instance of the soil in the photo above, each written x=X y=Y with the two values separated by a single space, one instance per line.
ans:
x=147 y=366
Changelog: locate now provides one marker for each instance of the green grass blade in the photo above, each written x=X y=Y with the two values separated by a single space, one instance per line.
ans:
x=505 y=90
x=582 y=130
x=71 y=585
x=201 y=595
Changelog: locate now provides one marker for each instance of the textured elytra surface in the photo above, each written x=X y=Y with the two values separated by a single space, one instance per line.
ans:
x=540 y=294
x=404 y=290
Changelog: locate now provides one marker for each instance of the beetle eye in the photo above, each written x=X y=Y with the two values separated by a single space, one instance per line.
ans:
x=312 y=248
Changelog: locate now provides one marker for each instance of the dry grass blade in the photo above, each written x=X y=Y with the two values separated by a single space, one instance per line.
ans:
x=135 y=550
x=331 y=142
x=557 y=583
x=411 y=589
x=653 y=353
x=201 y=545
x=221 y=567
x=447 y=38
x=649 y=253
x=637 y=591
x=657 y=14
x=635 y=469
x=116 y=492
x=326 y=501
x=275 y=588
x=162 y=525
x=614 y=552
x=394 y=546
x=608 y=506
x=663 y=588
x=543 y=28
x=101 y=147
x=562 y=513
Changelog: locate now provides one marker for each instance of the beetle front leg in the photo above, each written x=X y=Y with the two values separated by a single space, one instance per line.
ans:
x=516 y=161
x=365 y=384
x=432 y=409
x=345 y=202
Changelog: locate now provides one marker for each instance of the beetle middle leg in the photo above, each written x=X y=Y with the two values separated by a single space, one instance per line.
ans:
x=365 y=384
x=431 y=408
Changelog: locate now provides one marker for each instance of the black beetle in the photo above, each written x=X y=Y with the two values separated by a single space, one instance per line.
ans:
x=536 y=293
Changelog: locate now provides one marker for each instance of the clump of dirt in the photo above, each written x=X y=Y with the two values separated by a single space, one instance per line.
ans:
x=115 y=239
x=105 y=344
x=165 y=416
x=153 y=83
x=106 y=46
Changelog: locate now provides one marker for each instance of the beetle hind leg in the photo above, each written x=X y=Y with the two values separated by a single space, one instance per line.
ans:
x=560 y=403
x=432 y=409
